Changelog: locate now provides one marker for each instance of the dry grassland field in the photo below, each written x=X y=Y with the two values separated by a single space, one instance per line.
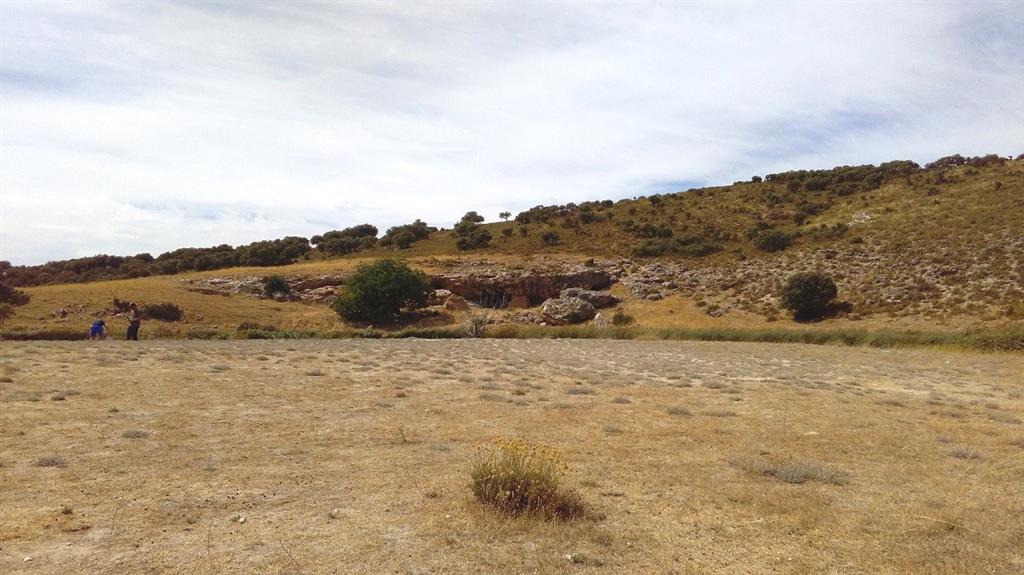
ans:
x=353 y=456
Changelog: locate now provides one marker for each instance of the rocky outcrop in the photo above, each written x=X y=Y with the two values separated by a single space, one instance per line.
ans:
x=455 y=302
x=438 y=297
x=497 y=285
x=598 y=299
x=567 y=310
x=311 y=289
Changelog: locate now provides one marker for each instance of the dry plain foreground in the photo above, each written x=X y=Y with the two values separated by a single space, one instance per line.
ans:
x=353 y=456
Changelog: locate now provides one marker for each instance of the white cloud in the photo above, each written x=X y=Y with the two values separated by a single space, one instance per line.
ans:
x=144 y=127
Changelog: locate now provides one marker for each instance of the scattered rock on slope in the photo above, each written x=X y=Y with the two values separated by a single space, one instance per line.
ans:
x=567 y=310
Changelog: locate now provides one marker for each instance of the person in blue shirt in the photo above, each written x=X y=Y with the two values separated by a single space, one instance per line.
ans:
x=98 y=330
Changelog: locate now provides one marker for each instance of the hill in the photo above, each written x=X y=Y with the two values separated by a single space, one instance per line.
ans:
x=910 y=247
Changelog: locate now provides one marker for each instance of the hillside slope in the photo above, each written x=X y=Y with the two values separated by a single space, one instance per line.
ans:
x=939 y=247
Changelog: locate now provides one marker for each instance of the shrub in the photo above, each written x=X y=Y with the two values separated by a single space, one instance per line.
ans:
x=772 y=240
x=476 y=238
x=378 y=292
x=13 y=296
x=475 y=323
x=166 y=311
x=621 y=318
x=808 y=294
x=518 y=478
x=550 y=238
x=275 y=284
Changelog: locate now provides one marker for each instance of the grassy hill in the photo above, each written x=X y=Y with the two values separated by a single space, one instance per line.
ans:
x=939 y=248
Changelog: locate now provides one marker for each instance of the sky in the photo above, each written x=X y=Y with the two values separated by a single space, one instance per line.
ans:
x=147 y=126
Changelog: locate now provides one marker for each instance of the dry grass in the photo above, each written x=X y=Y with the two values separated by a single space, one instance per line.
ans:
x=798 y=471
x=517 y=478
x=336 y=474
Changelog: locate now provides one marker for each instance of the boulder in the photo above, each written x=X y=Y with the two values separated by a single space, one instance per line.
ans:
x=567 y=310
x=438 y=297
x=325 y=294
x=456 y=302
x=598 y=299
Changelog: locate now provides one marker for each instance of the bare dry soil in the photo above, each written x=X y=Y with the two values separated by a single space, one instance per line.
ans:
x=352 y=456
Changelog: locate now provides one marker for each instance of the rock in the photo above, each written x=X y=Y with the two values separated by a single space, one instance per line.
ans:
x=598 y=299
x=521 y=285
x=325 y=294
x=438 y=297
x=567 y=310
x=456 y=302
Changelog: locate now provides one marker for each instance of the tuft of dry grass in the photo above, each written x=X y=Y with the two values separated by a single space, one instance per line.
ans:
x=796 y=472
x=678 y=410
x=519 y=478
x=52 y=461
x=965 y=453
x=135 y=434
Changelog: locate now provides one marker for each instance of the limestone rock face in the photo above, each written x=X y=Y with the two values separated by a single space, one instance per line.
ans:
x=598 y=299
x=456 y=302
x=438 y=297
x=500 y=285
x=567 y=310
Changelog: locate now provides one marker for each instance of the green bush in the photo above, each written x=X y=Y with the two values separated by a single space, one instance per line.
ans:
x=621 y=318
x=275 y=284
x=772 y=240
x=166 y=311
x=379 y=291
x=808 y=294
x=550 y=238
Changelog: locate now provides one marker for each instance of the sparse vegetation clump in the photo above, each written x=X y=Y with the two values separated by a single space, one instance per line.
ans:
x=379 y=291
x=519 y=478
x=809 y=294
x=475 y=323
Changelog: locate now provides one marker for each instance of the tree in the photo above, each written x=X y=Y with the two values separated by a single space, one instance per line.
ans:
x=808 y=294
x=379 y=291
x=472 y=217
x=505 y=215
x=469 y=233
